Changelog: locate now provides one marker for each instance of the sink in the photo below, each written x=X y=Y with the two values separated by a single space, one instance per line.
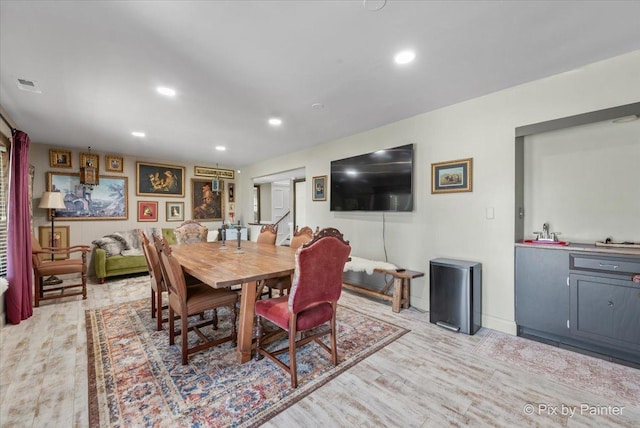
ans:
x=539 y=242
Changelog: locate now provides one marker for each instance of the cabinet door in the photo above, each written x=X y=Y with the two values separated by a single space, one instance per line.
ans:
x=605 y=310
x=542 y=292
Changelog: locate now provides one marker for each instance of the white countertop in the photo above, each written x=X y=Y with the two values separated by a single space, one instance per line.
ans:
x=583 y=247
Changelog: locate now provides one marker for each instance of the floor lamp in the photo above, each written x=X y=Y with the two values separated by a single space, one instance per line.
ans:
x=52 y=201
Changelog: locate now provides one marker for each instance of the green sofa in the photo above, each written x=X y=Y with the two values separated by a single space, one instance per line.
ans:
x=121 y=254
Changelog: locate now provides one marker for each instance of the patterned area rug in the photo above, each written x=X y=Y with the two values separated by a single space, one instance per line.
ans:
x=137 y=379
x=582 y=371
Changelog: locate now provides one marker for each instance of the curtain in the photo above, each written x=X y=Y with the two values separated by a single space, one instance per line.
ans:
x=18 y=297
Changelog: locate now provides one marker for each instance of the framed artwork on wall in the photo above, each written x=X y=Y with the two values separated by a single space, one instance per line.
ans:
x=60 y=239
x=175 y=211
x=206 y=204
x=452 y=176
x=231 y=191
x=114 y=163
x=204 y=171
x=154 y=179
x=319 y=188
x=59 y=158
x=106 y=201
x=147 y=211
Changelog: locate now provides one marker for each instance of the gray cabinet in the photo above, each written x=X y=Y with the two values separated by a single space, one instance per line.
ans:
x=579 y=300
x=542 y=289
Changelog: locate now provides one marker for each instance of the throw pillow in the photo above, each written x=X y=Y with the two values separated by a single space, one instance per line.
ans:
x=110 y=246
x=131 y=239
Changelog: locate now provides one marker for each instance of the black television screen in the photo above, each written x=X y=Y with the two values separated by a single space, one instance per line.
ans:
x=378 y=181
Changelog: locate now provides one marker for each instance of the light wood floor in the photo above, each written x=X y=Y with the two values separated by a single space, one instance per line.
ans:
x=430 y=377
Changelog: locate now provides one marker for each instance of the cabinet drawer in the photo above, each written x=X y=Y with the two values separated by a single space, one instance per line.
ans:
x=617 y=265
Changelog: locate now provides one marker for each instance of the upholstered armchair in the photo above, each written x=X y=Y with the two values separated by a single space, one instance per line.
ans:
x=45 y=265
x=312 y=301
x=191 y=231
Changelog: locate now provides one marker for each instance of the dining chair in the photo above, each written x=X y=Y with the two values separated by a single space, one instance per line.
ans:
x=312 y=301
x=188 y=301
x=283 y=283
x=45 y=265
x=191 y=231
x=268 y=234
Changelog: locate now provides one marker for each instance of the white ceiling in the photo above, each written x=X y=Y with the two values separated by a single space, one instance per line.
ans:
x=236 y=63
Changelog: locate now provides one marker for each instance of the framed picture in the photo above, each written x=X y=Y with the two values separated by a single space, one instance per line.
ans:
x=206 y=204
x=106 y=201
x=60 y=239
x=319 y=188
x=231 y=191
x=175 y=211
x=89 y=157
x=453 y=176
x=114 y=163
x=154 y=179
x=204 y=171
x=59 y=158
x=147 y=211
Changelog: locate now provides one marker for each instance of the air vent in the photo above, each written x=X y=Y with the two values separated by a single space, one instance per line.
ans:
x=29 y=85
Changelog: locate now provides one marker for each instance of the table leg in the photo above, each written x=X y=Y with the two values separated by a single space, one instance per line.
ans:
x=397 y=294
x=245 y=330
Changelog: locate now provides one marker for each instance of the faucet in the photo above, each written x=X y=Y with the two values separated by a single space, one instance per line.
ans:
x=545 y=231
x=545 y=235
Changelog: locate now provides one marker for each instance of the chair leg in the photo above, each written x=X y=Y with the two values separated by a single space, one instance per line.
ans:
x=292 y=351
x=36 y=293
x=258 y=336
x=84 y=285
x=172 y=333
x=334 y=345
x=185 y=337
x=158 y=305
x=153 y=303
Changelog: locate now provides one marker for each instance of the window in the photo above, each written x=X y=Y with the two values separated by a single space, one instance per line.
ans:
x=4 y=182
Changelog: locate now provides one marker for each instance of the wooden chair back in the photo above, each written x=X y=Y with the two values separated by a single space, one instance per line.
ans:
x=268 y=234
x=191 y=231
x=301 y=236
x=171 y=270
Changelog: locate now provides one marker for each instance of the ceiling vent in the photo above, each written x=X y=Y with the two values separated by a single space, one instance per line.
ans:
x=29 y=85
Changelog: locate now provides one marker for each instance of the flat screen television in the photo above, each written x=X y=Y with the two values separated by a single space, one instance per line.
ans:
x=378 y=181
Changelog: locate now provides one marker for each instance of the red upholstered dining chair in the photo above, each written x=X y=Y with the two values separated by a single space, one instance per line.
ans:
x=312 y=302
x=187 y=301
x=283 y=283
x=45 y=265
x=268 y=234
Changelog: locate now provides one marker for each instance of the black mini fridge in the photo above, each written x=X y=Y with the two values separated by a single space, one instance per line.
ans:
x=455 y=295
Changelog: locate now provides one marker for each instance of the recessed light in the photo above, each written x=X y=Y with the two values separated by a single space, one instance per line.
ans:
x=275 y=121
x=221 y=148
x=166 y=91
x=317 y=106
x=404 y=57
x=138 y=134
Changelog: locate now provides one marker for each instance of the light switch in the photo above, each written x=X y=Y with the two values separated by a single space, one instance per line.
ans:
x=490 y=213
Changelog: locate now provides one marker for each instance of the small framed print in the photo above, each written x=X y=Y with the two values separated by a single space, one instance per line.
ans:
x=232 y=189
x=89 y=159
x=452 y=176
x=175 y=211
x=59 y=239
x=59 y=158
x=319 y=188
x=114 y=163
x=147 y=211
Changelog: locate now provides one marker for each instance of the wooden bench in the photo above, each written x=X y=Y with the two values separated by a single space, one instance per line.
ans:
x=400 y=284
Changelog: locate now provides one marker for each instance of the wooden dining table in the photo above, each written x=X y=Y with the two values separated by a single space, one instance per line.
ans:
x=223 y=268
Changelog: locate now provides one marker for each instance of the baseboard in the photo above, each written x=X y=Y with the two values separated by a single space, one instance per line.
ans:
x=499 y=324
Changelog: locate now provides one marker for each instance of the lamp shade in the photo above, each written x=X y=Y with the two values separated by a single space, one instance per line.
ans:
x=52 y=200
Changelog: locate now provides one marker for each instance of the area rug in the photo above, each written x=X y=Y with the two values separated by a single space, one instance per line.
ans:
x=137 y=379
x=582 y=371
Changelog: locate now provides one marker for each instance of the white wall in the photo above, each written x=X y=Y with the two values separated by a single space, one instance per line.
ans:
x=585 y=182
x=454 y=225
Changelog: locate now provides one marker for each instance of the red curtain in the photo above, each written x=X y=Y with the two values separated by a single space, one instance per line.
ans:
x=18 y=297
